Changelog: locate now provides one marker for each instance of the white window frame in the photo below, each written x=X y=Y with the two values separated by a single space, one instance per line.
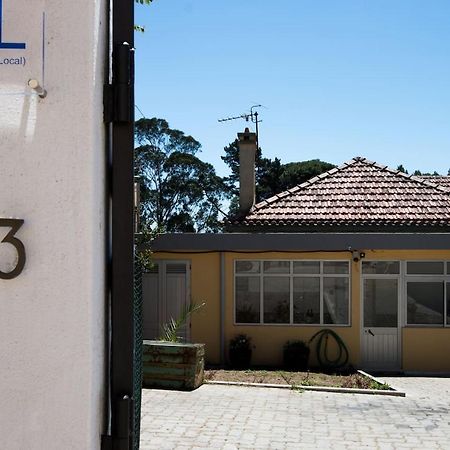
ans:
x=443 y=274
x=291 y=275
x=444 y=278
x=404 y=278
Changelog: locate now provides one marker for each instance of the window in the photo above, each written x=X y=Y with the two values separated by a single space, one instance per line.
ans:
x=306 y=300
x=247 y=267
x=276 y=299
x=312 y=267
x=276 y=267
x=425 y=303
x=247 y=296
x=380 y=267
x=424 y=267
x=380 y=302
x=292 y=292
x=427 y=293
x=335 y=300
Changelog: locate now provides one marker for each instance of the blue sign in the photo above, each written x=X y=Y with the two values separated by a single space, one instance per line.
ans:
x=13 y=45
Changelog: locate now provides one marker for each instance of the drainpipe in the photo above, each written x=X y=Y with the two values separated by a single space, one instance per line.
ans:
x=222 y=308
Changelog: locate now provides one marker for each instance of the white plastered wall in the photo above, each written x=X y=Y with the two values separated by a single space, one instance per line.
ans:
x=52 y=175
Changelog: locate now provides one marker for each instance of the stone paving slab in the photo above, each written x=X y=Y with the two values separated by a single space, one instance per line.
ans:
x=437 y=388
x=229 y=417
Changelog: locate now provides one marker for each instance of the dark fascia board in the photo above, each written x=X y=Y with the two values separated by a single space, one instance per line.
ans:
x=289 y=242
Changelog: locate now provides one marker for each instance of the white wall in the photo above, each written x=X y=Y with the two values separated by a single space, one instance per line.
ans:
x=52 y=175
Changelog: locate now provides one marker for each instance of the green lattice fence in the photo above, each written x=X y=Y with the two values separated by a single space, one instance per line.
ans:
x=137 y=301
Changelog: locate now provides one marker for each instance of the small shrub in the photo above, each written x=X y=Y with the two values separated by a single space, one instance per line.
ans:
x=171 y=329
x=359 y=381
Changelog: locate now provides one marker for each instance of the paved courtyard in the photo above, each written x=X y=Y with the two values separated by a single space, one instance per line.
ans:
x=228 y=417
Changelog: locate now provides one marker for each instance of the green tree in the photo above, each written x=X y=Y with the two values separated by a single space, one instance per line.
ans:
x=266 y=171
x=141 y=2
x=179 y=192
x=298 y=172
x=419 y=173
x=426 y=174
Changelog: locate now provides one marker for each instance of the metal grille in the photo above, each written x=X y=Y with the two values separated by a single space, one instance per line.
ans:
x=138 y=335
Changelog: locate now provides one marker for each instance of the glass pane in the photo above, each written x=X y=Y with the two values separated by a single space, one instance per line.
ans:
x=307 y=300
x=425 y=303
x=335 y=300
x=335 y=267
x=306 y=267
x=425 y=268
x=276 y=300
x=247 y=299
x=277 y=266
x=247 y=266
x=380 y=267
x=448 y=303
x=380 y=303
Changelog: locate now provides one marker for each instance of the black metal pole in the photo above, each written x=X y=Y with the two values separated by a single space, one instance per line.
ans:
x=122 y=226
x=257 y=134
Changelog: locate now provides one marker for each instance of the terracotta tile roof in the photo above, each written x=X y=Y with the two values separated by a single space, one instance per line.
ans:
x=360 y=195
x=441 y=180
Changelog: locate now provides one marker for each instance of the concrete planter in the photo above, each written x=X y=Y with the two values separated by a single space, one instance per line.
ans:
x=170 y=365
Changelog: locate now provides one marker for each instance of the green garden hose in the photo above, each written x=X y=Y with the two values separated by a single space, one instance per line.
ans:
x=322 y=350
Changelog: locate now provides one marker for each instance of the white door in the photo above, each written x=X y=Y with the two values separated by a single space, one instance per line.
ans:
x=380 y=342
x=165 y=292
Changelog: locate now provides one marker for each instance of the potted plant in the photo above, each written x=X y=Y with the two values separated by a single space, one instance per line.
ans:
x=172 y=364
x=296 y=355
x=240 y=351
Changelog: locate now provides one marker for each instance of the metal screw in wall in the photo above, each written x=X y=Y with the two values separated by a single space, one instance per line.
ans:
x=34 y=84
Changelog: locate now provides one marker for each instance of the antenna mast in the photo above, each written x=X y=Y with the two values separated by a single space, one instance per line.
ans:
x=252 y=116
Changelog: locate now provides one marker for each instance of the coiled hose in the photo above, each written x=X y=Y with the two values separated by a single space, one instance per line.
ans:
x=322 y=350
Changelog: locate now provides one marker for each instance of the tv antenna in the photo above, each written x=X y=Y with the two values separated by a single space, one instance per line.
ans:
x=249 y=117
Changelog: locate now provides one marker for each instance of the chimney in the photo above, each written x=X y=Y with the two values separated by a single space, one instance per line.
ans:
x=247 y=154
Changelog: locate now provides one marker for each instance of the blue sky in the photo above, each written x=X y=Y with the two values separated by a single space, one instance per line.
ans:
x=337 y=79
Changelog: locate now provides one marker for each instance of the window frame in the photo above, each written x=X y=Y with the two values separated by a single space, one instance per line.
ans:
x=291 y=275
x=443 y=274
x=418 y=278
x=404 y=278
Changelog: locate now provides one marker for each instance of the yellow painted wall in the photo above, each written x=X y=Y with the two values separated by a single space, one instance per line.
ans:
x=426 y=349
x=269 y=339
x=423 y=349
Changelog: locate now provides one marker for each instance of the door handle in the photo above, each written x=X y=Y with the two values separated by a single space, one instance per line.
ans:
x=370 y=332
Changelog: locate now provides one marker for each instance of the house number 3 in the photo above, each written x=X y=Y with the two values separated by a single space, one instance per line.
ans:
x=14 y=225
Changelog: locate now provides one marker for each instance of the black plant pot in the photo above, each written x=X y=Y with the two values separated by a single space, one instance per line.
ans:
x=240 y=358
x=295 y=359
